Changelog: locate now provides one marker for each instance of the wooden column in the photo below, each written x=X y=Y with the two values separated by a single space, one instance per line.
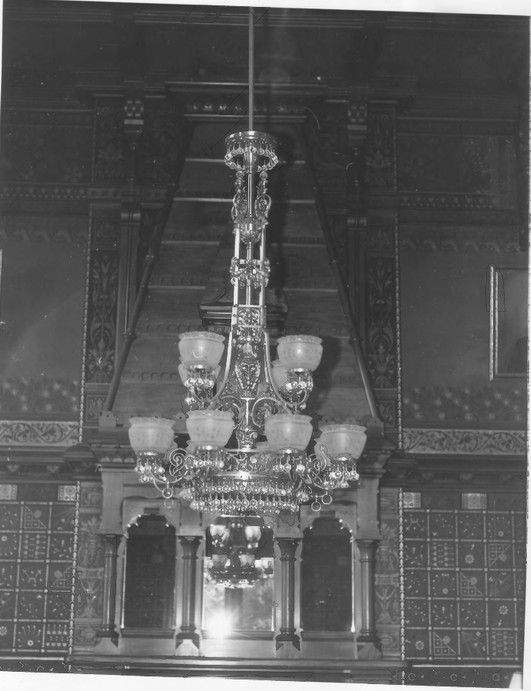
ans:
x=288 y=548
x=107 y=629
x=189 y=545
x=367 y=550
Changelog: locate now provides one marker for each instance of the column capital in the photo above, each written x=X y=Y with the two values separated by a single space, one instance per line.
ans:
x=288 y=547
x=190 y=544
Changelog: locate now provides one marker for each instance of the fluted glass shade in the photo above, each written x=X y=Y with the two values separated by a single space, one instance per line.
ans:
x=150 y=435
x=285 y=431
x=342 y=440
x=201 y=349
x=300 y=352
x=209 y=427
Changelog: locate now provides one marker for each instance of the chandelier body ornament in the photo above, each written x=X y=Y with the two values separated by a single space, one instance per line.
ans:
x=248 y=435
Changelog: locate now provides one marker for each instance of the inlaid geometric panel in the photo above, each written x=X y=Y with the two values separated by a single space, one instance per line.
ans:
x=36 y=569
x=464 y=576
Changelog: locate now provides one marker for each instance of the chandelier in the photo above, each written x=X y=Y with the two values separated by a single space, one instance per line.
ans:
x=235 y=545
x=247 y=452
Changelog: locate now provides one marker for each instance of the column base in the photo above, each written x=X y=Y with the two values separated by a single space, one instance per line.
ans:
x=107 y=645
x=287 y=641
x=368 y=650
x=187 y=643
x=186 y=647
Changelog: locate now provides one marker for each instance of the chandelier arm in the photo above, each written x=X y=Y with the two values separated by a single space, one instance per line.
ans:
x=270 y=405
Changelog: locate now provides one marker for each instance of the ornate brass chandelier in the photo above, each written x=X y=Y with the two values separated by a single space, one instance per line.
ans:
x=248 y=437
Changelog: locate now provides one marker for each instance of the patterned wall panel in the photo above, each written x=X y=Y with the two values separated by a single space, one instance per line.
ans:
x=474 y=165
x=45 y=146
x=381 y=159
x=89 y=571
x=109 y=164
x=101 y=314
x=464 y=576
x=387 y=575
x=36 y=567
x=39 y=371
x=482 y=406
x=381 y=335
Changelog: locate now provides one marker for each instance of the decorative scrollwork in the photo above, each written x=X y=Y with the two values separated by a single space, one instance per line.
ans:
x=251 y=272
x=262 y=407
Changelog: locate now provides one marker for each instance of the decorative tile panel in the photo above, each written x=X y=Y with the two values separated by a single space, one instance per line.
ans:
x=36 y=556
x=464 y=576
x=8 y=492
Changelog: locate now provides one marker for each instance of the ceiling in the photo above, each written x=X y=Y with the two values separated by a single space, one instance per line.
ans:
x=50 y=49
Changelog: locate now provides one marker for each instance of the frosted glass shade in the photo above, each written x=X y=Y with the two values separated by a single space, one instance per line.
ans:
x=201 y=348
x=284 y=431
x=218 y=530
x=279 y=374
x=300 y=352
x=219 y=560
x=342 y=440
x=252 y=533
x=209 y=427
x=150 y=434
x=246 y=559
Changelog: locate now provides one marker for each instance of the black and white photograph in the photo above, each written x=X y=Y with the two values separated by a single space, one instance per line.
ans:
x=264 y=344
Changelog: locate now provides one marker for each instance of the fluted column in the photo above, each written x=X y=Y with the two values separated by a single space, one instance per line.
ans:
x=367 y=551
x=189 y=556
x=110 y=554
x=288 y=548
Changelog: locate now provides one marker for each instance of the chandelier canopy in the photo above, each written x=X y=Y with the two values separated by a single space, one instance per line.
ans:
x=247 y=452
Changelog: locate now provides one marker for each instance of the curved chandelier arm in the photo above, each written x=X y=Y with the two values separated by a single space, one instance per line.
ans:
x=265 y=406
x=157 y=470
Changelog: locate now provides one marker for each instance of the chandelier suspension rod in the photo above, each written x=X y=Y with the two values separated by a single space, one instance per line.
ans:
x=251 y=68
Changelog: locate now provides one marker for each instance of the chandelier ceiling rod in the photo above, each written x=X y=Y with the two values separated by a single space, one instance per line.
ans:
x=251 y=68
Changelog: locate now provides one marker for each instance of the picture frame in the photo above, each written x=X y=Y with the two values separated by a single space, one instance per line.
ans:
x=508 y=310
